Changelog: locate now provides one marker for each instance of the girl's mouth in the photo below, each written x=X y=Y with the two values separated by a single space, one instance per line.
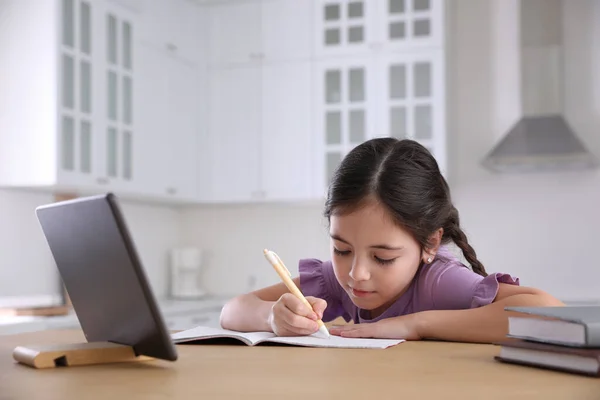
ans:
x=361 y=293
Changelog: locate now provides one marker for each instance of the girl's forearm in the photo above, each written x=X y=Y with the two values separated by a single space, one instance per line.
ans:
x=485 y=324
x=247 y=313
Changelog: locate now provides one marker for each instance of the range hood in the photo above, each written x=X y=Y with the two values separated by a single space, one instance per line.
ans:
x=540 y=139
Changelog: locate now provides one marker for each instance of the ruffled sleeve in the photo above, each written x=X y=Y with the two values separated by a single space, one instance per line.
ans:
x=317 y=279
x=451 y=285
x=487 y=289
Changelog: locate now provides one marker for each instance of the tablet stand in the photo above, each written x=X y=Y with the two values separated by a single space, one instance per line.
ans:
x=66 y=355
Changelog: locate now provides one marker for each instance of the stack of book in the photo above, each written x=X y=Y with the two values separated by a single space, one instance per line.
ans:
x=560 y=338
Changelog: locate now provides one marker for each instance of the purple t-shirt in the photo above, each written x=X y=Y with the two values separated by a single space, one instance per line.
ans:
x=445 y=284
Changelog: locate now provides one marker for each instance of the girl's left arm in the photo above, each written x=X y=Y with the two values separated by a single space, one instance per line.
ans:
x=484 y=324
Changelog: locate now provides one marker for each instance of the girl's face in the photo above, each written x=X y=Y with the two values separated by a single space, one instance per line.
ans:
x=374 y=260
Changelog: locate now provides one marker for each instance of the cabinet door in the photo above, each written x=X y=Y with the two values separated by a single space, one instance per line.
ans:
x=234 y=33
x=286 y=30
x=286 y=161
x=409 y=24
x=344 y=27
x=119 y=69
x=414 y=99
x=151 y=161
x=181 y=130
x=78 y=97
x=174 y=25
x=345 y=115
x=234 y=128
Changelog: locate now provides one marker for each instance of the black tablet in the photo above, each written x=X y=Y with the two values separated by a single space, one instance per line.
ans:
x=102 y=273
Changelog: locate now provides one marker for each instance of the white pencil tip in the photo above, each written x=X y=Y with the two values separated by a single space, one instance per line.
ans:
x=324 y=332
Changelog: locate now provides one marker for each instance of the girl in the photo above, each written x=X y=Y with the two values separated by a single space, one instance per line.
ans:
x=390 y=216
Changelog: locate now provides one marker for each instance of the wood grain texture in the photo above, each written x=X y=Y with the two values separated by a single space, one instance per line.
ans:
x=411 y=370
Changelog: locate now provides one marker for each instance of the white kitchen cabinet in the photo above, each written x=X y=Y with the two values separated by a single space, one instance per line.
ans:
x=353 y=27
x=261 y=133
x=393 y=95
x=172 y=25
x=286 y=135
x=167 y=151
x=66 y=95
x=259 y=31
x=234 y=129
x=345 y=115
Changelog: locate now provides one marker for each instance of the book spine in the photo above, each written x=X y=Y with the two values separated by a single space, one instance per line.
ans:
x=592 y=334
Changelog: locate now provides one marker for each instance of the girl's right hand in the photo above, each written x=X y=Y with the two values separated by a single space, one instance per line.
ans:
x=290 y=317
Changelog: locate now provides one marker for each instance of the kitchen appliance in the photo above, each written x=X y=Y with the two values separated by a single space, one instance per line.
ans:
x=530 y=62
x=186 y=271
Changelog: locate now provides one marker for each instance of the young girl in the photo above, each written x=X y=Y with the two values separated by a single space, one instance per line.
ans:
x=390 y=215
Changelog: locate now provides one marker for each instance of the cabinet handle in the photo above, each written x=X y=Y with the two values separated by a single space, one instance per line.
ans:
x=171 y=47
x=102 y=181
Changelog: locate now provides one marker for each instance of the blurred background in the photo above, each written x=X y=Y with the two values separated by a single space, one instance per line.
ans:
x=218 y=124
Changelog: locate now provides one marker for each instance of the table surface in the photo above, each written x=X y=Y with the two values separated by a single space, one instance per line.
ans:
x=423 y=370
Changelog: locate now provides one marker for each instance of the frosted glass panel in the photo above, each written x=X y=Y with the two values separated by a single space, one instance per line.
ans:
x=397 y=82
x=421 y=28
x=127 y=45
x=85 y=28
x=355 y=9
x=332 y=12
x=422 y=76
x=68 y=81
x=398 y=122
x=332 y=161
x=356 y=125
x=127 y=99
x=333 y=127
x=333 y=86
x=112 y=39
x=423 y=122
x=68 y=23
x=68 y=143
x=112 y=95
x=356 y=78
x=127 y=155
x=85 y=151
x=332 y=36
x=397 y=30
x=420 y=5
x=355 y=34
x=85 y=87
x=111 y=152
x=396 y=6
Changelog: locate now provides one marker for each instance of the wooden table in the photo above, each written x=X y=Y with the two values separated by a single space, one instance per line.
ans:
x=411 y=370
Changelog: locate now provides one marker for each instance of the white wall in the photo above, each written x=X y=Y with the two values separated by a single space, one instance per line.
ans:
x=26 y=264
x=235 y=236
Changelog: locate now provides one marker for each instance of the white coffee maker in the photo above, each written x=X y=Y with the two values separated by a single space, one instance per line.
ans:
x=186 y=268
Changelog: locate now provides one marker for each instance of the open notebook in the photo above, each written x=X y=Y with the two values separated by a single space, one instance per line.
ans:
x=253 y=338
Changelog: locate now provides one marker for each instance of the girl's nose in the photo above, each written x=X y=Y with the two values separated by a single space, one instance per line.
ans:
x=359 y=272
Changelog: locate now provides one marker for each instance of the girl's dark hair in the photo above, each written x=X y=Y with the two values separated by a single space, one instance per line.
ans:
x=405 y=178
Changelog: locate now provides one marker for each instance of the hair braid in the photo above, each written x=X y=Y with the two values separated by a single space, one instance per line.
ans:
x=454 y=232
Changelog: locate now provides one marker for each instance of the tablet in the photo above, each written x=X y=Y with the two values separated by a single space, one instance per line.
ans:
x=103 y=276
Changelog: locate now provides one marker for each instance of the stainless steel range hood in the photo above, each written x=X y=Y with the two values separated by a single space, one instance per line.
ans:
x=541 y=139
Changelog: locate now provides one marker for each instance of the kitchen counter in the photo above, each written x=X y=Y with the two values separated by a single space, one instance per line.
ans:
x=178 y=314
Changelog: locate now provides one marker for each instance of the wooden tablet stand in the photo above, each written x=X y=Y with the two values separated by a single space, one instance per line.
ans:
x=66 y=355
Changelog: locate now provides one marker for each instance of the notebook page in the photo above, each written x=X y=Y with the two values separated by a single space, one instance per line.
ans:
x=204 y=332
x=338 y=342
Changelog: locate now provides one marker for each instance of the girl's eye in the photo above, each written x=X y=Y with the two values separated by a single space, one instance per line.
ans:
x=384 y=261
x=340 y=252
